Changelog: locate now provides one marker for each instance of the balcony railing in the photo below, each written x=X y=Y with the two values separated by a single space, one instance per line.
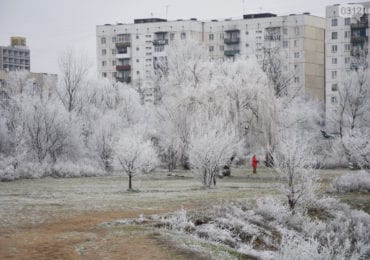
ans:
x=123 y=44
x=124 y=79
x=231 y=40
x=123 y=67
x=231 y=52
x=358 y=39
x=360 y=25
x=160 y=42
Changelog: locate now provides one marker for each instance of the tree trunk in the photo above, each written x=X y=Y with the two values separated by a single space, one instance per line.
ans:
x=130 y=182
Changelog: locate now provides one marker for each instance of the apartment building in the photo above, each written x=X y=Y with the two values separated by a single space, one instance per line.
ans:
x=346 y=39
x=127 y=52
x=16 y=56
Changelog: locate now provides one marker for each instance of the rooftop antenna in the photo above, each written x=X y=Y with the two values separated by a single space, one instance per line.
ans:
x=167 y=11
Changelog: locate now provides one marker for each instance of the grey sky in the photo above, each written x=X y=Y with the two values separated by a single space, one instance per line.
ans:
x=52 y=26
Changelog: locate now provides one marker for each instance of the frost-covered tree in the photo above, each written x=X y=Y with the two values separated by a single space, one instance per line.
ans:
x=47 y=129
x=212 y=144
x=134 y=155
x=294 y=159
x=73 y=69
x=351 y=119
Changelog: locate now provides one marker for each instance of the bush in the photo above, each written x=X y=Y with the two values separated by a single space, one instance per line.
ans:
x=352 y=182
x=78 y=169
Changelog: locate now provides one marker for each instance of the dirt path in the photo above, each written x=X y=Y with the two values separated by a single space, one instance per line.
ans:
x=79 y=237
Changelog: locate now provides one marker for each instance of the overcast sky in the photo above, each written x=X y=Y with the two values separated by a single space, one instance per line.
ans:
x=52 y=26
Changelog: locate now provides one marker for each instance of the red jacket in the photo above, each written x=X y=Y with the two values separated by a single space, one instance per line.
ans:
x=254 y=161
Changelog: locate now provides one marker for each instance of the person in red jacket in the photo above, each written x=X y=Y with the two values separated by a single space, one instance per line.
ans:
x=254 y=164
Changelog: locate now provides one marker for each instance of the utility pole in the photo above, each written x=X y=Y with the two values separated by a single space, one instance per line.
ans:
x=167 y=11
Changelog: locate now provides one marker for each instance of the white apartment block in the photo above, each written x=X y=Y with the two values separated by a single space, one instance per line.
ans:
x=345 y=38
x=127 y=52
x=16 y=56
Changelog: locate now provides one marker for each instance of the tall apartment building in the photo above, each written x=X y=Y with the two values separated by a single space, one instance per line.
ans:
x=346 y=38
x=127 y=52
x=16 y=56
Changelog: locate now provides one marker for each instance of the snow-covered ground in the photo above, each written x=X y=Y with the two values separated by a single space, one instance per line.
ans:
x=36 y=201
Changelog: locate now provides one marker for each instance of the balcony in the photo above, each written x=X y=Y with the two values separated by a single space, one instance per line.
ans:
x=359 y=25
x=126 y=55
x=123 y=67
x=358 y=39
x=124 y=79
x=231 y=52
x=232 y=40
x=120 y=44
x=160 y=42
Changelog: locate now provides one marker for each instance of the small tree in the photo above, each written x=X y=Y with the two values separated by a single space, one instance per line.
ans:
x=294 y=158
x=211 y=147
x=135 y=155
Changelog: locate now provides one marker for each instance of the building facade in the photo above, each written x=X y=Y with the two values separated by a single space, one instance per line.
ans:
x=16 y=56
x=347 y=38
x=127 y=52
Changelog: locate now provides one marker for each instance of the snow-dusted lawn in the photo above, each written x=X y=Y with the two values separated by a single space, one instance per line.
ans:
x=38 y=200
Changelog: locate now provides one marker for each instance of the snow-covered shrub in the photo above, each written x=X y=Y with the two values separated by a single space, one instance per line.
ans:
x=29 y=170
x=271 y=208
x=294 y=246
x=178 y=221
x=81 y=168
x=352 y=182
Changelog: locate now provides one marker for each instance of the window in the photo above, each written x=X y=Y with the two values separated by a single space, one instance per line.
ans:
x=159 y=48
x=183 y=36
x=221 y=36
x=148 y=42
x=104 y=63
x=114 y=74
x=347 y=47
x=137 y=72
x=334 y=74
x=295 y=43
x=103 y=52
x=137 y=37
x=334 y=61
x=104 y=74
x=113 y=63
x=103 y=40
x=114 y=39
x=148 y=36
x=211 y=48
x=297 y=31
x=221 y=48
x=148 y=53
x=114 y=51
x=247 y=45
x=148 y=48
x=333 y=100
x=210 y=37
x=295 y=66
x=347 y=21
x=172 y=36
x=334 y=35
x=296 y=79
x=334 y=22
x=347 y=34
x=285 y=44
x=334 y=48
x=137 y=60
x=334 y=87
x=296 y=55
x=246 y=33
x=137 y=48
x=347 y=60
x=285 y=31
